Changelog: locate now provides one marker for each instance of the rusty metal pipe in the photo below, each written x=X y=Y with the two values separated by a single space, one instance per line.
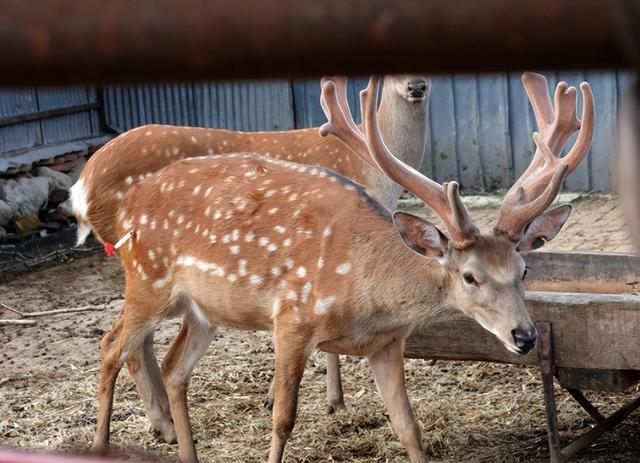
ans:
x=73 y=41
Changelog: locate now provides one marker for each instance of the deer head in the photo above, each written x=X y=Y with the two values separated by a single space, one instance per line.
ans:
x=484 y=272
x=412 y=88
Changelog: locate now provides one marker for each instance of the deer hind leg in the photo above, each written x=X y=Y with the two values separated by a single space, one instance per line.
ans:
x=190 y=345
x=126 y=335
x=292 y=351
x=388 y=371
x=268 y=401
x=335 y=398
x=143 y=367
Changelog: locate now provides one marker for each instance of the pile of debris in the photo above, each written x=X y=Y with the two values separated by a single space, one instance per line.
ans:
x=34 y=200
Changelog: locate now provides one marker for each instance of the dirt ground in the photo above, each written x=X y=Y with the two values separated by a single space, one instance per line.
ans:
x=468 y=411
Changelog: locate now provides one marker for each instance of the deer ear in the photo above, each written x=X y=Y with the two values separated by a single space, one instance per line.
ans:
x=544 y=228
x=419 y=235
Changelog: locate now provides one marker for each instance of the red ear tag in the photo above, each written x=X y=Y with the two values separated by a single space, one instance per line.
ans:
x=109 y=249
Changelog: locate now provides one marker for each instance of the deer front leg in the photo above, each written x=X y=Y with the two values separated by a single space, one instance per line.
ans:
x=292 y=352
x=388 y=371
x=335 y=398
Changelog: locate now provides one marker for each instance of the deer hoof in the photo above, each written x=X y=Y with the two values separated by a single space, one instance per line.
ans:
x=168 y=435
x=268 y=403
x=335 y=405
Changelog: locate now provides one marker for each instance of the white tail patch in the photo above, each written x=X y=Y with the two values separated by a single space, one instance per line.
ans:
x=80 y=208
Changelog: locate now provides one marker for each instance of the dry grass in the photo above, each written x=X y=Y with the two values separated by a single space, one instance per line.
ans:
x=467 y=411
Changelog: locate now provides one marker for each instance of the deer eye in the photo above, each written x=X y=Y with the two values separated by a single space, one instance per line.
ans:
x=469 y=279
x=524 y=274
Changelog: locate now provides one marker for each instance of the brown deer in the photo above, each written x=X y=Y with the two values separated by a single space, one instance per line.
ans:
x=253 y=242
x=140 y=152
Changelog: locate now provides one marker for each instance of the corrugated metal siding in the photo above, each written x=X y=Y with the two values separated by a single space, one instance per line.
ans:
x=479 y=126
x=18 y=137
x=235 y=105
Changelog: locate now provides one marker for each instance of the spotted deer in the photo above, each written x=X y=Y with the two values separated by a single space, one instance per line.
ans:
x=139 y=153
x=254 y=242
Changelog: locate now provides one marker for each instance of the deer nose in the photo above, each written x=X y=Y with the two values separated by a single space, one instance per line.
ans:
x=525 y=340
x=417 y=88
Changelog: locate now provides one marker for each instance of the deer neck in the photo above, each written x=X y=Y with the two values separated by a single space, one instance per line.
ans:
x=398 y=284
x=403 y=126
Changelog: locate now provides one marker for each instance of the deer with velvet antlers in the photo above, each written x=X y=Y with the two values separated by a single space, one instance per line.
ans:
x=257 y=243
x=143 y=151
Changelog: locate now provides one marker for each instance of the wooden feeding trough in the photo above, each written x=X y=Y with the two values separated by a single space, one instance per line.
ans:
x=588 y=321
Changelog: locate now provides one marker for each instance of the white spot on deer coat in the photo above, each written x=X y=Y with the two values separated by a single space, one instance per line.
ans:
x=129 y=180
x=242 y=267
x=143 y=219
x=263 y=241
x=249 y=237
x=288 y=263
x=280 y=229
x=323 y=305
x=272 y=211
x=235 y=249
x=301 y=272
x=343 y=268
x=272 y=247
x=291 y=295
x=306 y=290
x=255 y=279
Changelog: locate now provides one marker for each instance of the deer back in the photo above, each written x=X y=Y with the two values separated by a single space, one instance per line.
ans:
x=246 y=237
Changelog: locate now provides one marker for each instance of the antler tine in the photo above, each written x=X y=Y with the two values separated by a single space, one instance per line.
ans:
x=341 y=87
x=443 y=199
x=535 y=190
x=339 y=124
x=555 y=125
x=586 y=124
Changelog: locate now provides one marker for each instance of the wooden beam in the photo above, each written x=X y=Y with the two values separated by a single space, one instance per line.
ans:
x=592 y=331
x=582 y=272
x=36 y=116
x=72 y=41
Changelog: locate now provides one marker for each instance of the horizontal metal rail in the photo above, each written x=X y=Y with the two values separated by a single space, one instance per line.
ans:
x=72 y=41
x=38 y=115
